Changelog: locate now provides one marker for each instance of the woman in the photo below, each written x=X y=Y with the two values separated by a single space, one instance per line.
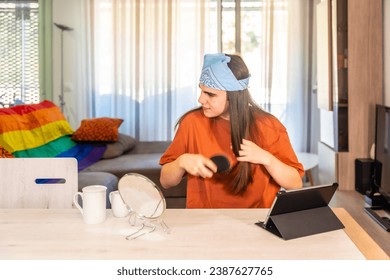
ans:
x=229 y=123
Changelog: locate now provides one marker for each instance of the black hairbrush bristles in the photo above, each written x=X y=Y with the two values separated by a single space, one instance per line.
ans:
x=221 y=162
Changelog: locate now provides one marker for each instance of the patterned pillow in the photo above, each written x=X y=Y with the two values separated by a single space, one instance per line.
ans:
x=98 y=130
x=4 y=153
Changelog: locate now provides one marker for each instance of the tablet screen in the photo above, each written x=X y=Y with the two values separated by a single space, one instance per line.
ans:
x=301 y=199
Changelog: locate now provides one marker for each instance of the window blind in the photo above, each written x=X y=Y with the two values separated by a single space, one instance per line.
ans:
x=19 y=58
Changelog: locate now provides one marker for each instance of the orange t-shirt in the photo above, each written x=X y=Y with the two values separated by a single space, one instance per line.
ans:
x=198 y=134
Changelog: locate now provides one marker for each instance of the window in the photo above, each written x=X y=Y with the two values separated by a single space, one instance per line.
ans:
x=19 y=67
x=257 y=29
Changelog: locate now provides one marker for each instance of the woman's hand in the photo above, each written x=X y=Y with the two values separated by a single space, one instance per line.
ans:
x=252 y=153
x=197 y=165
x=285 y=175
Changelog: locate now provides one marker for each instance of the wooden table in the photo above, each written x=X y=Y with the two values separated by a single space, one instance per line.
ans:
x=353 y=202
x=194 y=234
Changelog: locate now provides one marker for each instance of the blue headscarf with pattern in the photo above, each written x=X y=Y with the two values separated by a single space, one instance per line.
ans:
x=216 y=74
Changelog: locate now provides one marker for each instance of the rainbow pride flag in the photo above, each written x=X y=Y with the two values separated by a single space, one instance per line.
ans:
x=41 y=130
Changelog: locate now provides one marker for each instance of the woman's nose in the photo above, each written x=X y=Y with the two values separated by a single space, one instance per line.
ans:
x=201 y=98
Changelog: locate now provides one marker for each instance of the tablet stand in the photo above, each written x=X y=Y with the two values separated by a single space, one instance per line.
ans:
x=302 y=223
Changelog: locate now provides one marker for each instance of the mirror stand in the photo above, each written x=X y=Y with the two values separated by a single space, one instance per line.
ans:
x=146 y=226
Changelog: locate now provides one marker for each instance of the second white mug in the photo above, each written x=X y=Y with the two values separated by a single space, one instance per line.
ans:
x=118 y=207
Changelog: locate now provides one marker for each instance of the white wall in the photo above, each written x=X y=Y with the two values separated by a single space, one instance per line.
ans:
x=386 y=47
x=69 y=13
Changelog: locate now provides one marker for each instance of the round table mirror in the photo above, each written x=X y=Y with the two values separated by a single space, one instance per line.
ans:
x=144 y=199
x=141 y=195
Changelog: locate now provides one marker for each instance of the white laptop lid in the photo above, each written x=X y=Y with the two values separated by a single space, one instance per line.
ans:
x=38 y=182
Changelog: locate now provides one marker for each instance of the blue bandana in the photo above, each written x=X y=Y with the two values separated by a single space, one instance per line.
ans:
x=216 y=74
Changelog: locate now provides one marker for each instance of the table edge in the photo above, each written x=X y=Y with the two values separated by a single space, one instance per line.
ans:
x=363 y=241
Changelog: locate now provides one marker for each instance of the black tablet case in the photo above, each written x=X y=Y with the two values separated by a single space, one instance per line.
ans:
x=302 y=213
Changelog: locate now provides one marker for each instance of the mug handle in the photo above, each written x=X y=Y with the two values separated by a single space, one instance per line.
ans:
x=75 y=201
x=110 y=196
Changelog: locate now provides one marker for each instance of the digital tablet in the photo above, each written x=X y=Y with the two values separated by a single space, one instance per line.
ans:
x=302 y=212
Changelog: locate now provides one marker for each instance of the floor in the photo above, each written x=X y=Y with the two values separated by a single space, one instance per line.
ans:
x=354 y=203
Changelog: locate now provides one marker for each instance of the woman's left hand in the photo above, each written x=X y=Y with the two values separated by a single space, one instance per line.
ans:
x=285 y=175
x=250 y=152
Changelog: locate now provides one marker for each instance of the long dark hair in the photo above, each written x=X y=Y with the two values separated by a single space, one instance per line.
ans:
x=242 y=111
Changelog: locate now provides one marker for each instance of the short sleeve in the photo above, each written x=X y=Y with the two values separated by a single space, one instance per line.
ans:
x=274 y=138
x=178 y=145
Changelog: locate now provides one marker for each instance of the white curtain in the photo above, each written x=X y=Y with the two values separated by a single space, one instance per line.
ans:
x=143 y=60
x=281 y=66
x=299 y=93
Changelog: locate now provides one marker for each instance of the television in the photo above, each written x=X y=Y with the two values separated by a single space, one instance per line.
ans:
x=382 y=151
x=380 y=186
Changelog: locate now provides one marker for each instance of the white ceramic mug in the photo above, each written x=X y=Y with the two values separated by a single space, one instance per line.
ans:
x=118 y=207
x=94 y=203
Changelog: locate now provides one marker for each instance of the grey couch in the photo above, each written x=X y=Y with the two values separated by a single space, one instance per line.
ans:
x=143 y=159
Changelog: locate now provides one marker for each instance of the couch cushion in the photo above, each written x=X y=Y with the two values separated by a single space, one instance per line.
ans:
x=150 y=147
x=125 y=143
x=145 y=164
x=128 y=163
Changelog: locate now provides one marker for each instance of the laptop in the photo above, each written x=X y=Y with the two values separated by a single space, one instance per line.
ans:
x=38 y=182
x=302 y=212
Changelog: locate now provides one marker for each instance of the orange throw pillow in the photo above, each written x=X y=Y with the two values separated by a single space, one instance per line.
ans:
x=98 y=130
x=4 y=153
